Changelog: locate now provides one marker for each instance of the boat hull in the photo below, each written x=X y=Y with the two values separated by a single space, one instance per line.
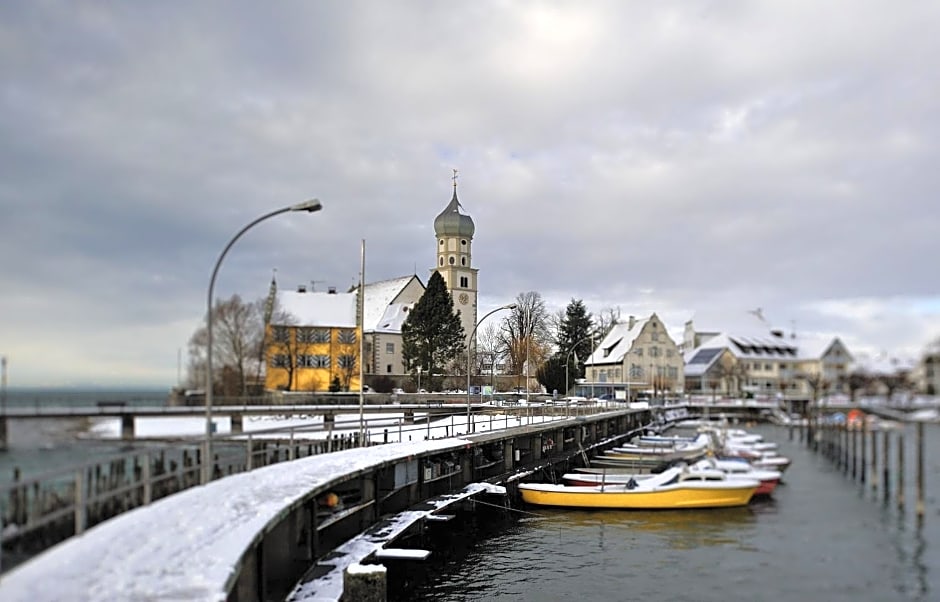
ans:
x=680 y=497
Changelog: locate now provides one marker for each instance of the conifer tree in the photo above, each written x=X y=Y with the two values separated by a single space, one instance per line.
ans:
x=432 y=335
x=574 y=332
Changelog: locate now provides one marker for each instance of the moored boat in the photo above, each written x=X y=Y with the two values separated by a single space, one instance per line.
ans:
x=674 y=488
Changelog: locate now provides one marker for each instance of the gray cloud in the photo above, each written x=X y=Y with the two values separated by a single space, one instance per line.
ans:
x=675 y=158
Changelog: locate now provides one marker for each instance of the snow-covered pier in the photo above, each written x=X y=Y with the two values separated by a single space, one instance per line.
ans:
x=254 y=535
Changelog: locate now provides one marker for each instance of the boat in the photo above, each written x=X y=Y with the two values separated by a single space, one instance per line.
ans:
x=674 y=488
x=768 y=479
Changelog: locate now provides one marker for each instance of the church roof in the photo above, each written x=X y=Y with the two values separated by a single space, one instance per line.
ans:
x=450 y=222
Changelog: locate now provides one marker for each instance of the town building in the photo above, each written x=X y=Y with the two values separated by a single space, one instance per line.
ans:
x=756 y=360
x=636 y=359
x=313 y=337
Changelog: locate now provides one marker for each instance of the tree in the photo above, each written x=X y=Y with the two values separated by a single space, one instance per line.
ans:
x=606 y=320
x=574 y=338
x=432 y=335
x=237 y=336
x=551 y=374
x=525 y=334
x=347 y=356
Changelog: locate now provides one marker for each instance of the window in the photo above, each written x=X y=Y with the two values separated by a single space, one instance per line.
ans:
x=636 y=371
x=463 y=243
x=307 y=361
x=346 y=337
x=321 y=335
x=346 y=361
x=464 y=282
x=441 y=242
x=321 y=361
x=306 y=335
x=639 y=351
x=279 y=360
x=655 y=337
x=388 y=368
x=452 y=260
x=281 y=334
x=463 y=261
x=441 y=262
x=389 y=347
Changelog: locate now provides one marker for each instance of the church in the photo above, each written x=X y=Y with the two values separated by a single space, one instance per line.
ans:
x=312 y=337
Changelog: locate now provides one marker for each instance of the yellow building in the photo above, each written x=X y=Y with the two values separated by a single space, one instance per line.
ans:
x=312 y=341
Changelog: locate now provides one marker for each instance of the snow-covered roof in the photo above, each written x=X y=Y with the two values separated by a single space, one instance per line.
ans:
x=330 y=310
x=187 y=546
x=379 y=296
x=882 y=364
x=394 y=317
x=617 y=343
x=701 y=359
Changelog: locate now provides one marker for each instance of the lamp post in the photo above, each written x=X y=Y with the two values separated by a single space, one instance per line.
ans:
x=469 y=341
x=568 y=357
x=308 y=206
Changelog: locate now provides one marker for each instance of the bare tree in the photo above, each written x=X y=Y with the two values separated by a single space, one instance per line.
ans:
x=525 y=334
x=347 y=357
x=605 y=320
x=237 y=334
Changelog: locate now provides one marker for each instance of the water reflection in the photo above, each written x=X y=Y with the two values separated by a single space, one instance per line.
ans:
x=678 y=529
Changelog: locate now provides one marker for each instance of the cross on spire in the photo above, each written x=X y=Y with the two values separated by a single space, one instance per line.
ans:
x=454 y=178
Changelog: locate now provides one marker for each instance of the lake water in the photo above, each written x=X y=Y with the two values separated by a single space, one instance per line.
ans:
x=822 y=536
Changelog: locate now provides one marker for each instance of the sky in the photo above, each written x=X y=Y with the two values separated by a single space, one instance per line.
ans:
x=693 y=159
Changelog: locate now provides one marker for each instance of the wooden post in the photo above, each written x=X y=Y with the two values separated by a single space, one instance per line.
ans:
x=919 y=504
x=854 y=453
x=80 y=503
x=901 y=470
x=863 y=466
x=147 y=479
x=248 y=455
x=874 y=459
x=886 y=467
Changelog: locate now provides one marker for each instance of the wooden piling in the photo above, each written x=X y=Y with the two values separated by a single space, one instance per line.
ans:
x=862 y=464
x=919 y=504
x=886 y=470
x=874 y=459
x=901 y=470
x=854 y=453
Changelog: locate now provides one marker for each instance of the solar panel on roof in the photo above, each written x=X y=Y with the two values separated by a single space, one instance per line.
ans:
x=704 y=356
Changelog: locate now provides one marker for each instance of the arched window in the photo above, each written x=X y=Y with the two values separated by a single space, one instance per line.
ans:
x=442 y=261
x=452 y=260
x=463 y=261
x=441 y=243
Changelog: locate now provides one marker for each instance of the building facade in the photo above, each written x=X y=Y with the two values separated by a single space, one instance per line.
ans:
x=636 y=358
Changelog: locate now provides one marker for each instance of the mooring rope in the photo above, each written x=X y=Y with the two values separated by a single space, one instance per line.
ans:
x=509 y=508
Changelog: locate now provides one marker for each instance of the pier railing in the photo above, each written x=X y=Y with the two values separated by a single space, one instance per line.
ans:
x=40 y=511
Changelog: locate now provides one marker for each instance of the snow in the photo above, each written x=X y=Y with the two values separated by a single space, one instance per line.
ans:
x=187 y=546
x=366 y=569
x=310 y=427
x=327 y=310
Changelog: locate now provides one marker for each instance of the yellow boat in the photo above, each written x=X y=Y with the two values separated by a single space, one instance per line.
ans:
x=673 y=488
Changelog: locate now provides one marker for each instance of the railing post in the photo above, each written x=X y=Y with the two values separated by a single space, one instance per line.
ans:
x=79 y=502
x=147 y=479
x=248 y=455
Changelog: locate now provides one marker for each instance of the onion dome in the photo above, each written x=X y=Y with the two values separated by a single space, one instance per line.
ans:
x=451 y=222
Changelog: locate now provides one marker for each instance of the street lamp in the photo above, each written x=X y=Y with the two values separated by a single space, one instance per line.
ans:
x=308 y=206
x=570 y=351
x=469 y=341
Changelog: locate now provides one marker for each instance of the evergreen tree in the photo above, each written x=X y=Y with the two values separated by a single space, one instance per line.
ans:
x=432 y=335
x=551 y=374
x=574 y=338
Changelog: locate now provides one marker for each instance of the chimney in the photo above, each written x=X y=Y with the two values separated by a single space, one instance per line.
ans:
x=631 y=321
x=301 y=288
x=331 y=290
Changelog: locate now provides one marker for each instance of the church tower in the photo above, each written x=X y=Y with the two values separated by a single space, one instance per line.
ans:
x=454 y=233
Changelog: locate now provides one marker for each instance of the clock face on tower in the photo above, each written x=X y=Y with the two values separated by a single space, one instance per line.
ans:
x=463 y=298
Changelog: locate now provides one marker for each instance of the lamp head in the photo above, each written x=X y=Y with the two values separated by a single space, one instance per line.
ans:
x=308 y=206
x=511 y=306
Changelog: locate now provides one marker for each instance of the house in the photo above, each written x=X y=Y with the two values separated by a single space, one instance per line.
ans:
x=636 y=356
x=757 y=360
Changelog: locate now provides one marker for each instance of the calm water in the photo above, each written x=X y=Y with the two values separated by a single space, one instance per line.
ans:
x=823 y=536
x=40 y=445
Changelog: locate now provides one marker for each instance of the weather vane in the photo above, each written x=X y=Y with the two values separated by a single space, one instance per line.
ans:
x=455 y=179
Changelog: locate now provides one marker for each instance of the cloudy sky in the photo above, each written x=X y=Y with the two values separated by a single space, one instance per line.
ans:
x=688 y=158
